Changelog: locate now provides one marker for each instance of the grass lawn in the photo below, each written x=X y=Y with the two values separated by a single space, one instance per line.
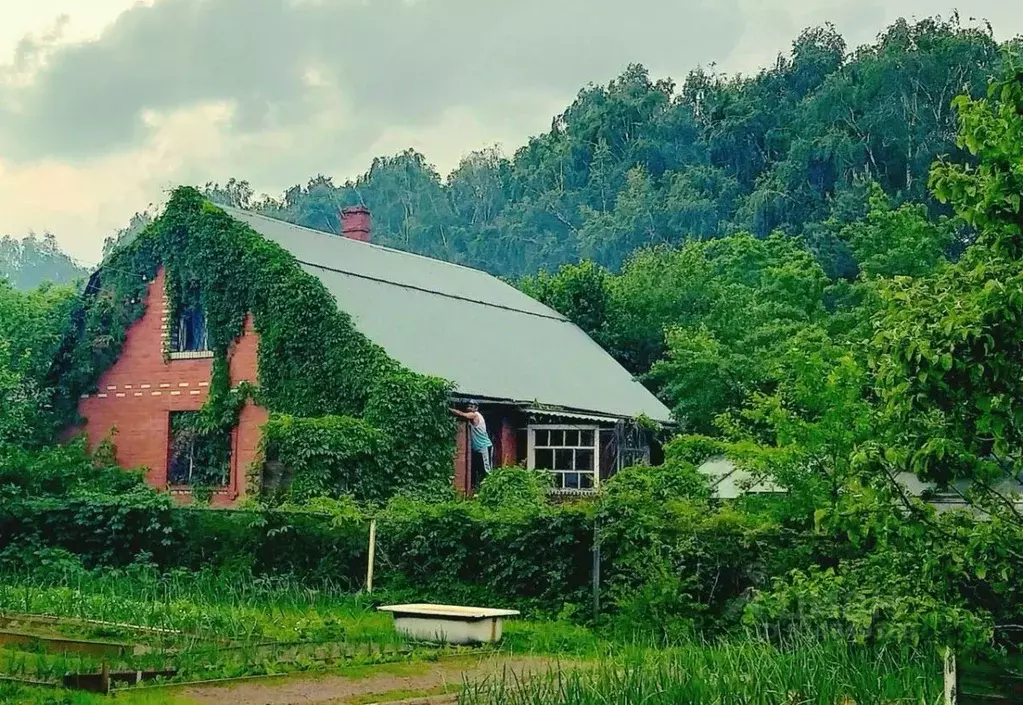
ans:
x=321 y=640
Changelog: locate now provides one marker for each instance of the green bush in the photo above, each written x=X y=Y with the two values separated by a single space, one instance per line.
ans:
x=668 y=561
x=515 y=488
x=324 y=456
x=870 y=602
x=533 y=557
x=673 y=562
x=693 y=449
x=63 y=470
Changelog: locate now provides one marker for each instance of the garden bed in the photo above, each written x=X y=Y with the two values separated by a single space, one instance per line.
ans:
x=106 y=634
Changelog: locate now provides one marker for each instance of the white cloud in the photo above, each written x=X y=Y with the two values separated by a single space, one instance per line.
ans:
x=83 y=203
x=77 y=20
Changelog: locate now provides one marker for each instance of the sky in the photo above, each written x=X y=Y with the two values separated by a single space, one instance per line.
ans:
x=105 y=105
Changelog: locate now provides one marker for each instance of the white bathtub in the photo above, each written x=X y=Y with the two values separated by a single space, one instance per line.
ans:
x=449 y=623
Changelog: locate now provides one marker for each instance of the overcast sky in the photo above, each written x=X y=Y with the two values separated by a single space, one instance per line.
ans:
x=106 y=104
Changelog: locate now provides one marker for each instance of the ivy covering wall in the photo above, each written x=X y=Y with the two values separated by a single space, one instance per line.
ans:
x=344 y=417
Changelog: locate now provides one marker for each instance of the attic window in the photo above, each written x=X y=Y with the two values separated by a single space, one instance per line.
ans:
x=188 y=336
x=570 y=453
x=195 y=457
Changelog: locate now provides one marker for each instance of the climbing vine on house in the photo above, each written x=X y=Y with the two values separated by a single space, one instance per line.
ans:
x=341 y=409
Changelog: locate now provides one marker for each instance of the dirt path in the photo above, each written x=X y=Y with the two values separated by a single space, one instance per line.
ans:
x=385 y=683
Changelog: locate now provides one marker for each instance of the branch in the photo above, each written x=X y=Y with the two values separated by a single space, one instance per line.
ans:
x=902 y=493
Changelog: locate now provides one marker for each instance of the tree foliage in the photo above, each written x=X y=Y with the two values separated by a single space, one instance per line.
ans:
x=948 y=361
x=639 y=161
x=763 y=252
x=32 y=261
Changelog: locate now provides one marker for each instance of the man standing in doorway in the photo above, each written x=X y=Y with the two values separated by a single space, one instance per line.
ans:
x=478 y=436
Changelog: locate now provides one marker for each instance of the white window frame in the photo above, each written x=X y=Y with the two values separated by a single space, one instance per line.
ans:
x=531 y=453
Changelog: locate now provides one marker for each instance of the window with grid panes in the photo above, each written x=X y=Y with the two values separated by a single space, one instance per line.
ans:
x=570 y=453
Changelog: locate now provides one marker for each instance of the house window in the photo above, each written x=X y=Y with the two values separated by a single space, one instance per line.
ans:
x=189 y=332
x=570 y=453
x=633 y=445
x=196 y=457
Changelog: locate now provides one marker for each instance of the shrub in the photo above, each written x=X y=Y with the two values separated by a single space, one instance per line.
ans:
x=515 y=488
x=693 y=449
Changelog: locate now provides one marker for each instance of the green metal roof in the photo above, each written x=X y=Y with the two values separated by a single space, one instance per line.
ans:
x=464 y=325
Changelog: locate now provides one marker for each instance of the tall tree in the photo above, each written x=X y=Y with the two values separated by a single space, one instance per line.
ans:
x=948 y=349
x=31 y=261
x=640 y=161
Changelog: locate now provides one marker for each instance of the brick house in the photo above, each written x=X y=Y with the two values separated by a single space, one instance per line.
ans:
x=552 y=398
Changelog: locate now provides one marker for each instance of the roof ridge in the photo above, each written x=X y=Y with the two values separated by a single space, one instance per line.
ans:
x=385 y=248
x=556 y=317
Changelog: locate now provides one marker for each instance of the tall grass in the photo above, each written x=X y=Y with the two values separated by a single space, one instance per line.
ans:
x=204 y=624
x=21 y=695
x=746 y=672
x=204 y=604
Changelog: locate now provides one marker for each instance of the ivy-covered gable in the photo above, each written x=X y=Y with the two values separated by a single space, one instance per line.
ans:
x=344 y=417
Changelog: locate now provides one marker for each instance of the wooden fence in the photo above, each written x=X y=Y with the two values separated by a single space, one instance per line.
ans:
x=974 y=683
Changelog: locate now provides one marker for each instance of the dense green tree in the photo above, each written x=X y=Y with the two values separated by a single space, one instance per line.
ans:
x=579 y=291
x=477 y=187
x=901 y=241
x=29 y=262
x=138 y=223
x=748 y=299
x=705 y=320
x=237 y=194
x=639 y=161
x=20 y=401
x=31 y=330
x=949 y=366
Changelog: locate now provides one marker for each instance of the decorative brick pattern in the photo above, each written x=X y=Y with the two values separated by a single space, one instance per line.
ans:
x=190 y=354
x=142 y=420
x=164 y=308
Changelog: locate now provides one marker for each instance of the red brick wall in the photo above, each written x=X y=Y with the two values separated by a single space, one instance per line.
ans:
x=507 y=443
x=136 y=395
x=462 y=459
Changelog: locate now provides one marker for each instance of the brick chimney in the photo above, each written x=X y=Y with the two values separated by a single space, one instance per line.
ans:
x=355 y=223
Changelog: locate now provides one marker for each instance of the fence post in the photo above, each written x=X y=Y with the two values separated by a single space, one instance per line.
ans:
x=372 y=554
x=596 y=568
x=951 y=679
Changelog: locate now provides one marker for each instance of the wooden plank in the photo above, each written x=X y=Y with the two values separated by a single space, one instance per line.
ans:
x=103 y=681
x=28 y=682
x=372 y=554
x=975 y=699
x=951 y=679
x=8 y=618
x=63 y=645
